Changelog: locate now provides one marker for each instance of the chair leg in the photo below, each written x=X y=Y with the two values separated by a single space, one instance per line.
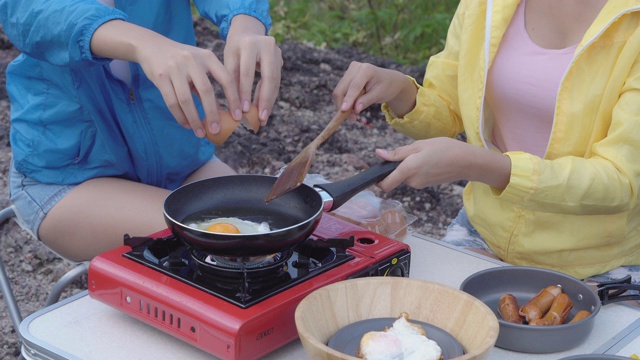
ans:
x=7 y=292
x=5 y=284
x=65 y=281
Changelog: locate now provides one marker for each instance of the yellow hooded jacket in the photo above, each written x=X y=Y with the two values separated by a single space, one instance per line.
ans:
x=575 y=210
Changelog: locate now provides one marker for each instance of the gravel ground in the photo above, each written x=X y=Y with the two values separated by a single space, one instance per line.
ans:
x=304 y=107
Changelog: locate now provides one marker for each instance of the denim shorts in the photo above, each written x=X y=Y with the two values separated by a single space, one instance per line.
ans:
x=461 y=233
x=32 y=200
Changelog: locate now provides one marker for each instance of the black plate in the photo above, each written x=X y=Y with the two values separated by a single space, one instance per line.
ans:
x=347 y=339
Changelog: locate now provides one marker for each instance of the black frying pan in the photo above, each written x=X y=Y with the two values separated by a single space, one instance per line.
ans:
x=292 y=217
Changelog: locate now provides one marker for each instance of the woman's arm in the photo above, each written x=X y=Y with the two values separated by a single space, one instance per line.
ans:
x=33 y=27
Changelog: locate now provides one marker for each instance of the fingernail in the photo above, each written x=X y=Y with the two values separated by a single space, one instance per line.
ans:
x=344 y=106
x=237 y=114
x=200 y=132
x=246 y=106
x=214 y=128
x=264 y=115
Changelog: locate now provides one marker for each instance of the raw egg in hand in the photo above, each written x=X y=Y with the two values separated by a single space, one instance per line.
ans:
x=228 y=125
x=232 y=225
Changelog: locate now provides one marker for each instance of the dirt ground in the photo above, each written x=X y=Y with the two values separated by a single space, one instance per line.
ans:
x=304 y=106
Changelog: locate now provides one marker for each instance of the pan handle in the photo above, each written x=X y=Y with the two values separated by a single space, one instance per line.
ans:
x=612 y=291
x=343 y=190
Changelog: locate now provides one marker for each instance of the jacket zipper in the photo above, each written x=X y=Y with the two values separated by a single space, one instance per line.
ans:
x=153 y=167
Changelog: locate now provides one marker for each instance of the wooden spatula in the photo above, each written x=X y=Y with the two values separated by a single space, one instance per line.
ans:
x=294 y=173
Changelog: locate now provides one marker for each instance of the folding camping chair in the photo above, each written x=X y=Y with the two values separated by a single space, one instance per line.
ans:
x=56 y=291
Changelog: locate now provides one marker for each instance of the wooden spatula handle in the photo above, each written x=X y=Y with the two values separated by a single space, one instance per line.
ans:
x=332 y=126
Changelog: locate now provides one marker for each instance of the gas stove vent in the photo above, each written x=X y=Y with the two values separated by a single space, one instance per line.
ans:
x=155 y=312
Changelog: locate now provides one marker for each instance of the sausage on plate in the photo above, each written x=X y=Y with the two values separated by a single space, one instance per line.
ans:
x=580 y=315
x=558 y=312
x=538 y=306
x=508 y=308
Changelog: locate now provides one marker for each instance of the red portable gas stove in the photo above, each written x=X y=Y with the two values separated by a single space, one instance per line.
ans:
x=236 y=308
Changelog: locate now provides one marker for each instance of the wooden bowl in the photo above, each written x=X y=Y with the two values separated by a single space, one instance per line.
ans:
x=330 y=308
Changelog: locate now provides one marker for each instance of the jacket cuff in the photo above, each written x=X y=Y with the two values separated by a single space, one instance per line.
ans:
x=85 y=40
x=390 y=116
x=524 y=173
x=226 y=22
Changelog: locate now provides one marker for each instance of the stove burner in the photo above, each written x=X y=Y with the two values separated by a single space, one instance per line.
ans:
x=249 y=262
x=231 y=268
x=243 y=281
x=244 y=275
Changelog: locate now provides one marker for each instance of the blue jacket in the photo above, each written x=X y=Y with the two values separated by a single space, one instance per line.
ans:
x=72 y=119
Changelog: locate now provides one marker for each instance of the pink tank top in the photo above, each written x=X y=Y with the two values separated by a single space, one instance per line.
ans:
x=522 y=86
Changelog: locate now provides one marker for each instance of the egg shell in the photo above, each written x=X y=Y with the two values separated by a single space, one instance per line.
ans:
x=228 y=125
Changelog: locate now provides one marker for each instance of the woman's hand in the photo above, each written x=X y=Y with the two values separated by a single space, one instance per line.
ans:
x=248 y=50
x=177 y=70
x=180 y=70
x=380 y=86
x=442 y=160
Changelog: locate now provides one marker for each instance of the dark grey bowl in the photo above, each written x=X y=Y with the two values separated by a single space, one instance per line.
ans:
x=524 y=283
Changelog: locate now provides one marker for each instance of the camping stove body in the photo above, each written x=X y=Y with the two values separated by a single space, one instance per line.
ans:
x=236 y=323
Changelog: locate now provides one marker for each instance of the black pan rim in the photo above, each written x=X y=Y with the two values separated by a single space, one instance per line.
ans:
x=231 y=236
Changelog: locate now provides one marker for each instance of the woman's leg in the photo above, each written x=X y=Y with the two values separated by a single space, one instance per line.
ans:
x=95 y=215
x=213 y=168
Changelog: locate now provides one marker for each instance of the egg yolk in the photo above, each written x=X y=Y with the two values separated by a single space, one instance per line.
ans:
x=224 y=228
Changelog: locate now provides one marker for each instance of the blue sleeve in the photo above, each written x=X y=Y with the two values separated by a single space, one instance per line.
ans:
x=220 y=12
x=55 y=31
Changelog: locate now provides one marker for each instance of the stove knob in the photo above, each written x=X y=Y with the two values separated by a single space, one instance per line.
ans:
x=396 y=271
